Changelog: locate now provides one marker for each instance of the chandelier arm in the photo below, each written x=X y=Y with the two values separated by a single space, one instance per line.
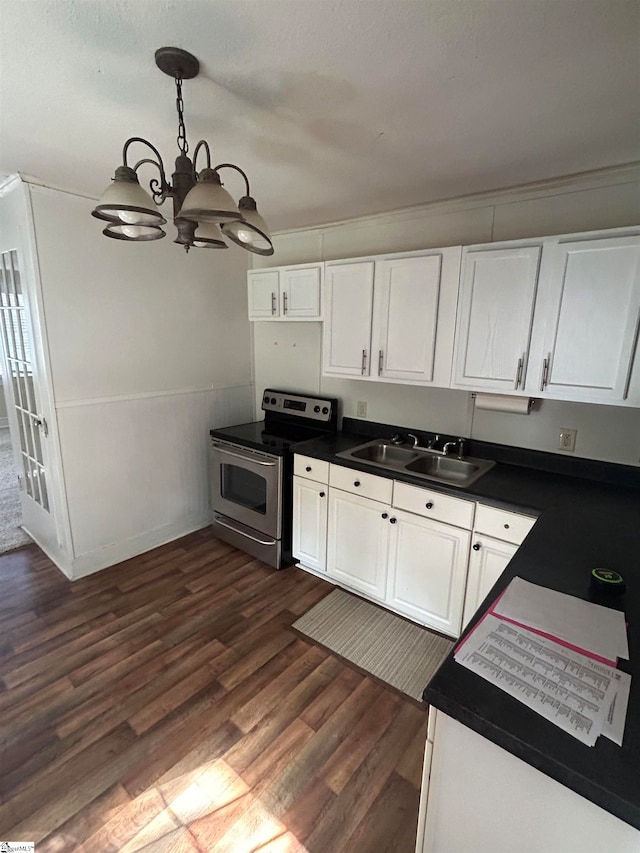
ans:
x=238 y=169
x=163 y=178
x=159 y=190
x=202 y=144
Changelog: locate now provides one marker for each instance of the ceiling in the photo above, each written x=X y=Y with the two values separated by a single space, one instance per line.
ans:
x=335 y=108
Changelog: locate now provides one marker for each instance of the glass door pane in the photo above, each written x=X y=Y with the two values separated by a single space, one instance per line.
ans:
x=15 y=341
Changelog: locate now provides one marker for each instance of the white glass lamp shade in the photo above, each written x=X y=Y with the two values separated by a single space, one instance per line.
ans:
x=124 y=200
x=208 y=201
x=133 y=233
x=208 y=236
x=250 y=232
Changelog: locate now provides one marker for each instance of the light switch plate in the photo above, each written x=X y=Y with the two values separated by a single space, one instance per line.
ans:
x=567 y=440
x=362 y=409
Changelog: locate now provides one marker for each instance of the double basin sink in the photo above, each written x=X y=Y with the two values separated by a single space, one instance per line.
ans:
x=421 y=462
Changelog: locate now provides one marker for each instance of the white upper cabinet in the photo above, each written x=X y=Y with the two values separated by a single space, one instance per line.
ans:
x=285 y=293
x=497 y=297
x=392 y=318
x=347 y=323
x=264 y=294
x=586 y=324
x=554 y=318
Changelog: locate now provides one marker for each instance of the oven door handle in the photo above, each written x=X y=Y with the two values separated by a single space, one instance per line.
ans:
x=245 y=458
x=242 y=533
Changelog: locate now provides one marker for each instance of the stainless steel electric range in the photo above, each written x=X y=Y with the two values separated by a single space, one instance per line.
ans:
x=252 y=472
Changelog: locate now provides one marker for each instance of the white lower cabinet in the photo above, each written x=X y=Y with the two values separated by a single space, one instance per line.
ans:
x=310 y=507
x=478 y=798
x=358 y=539
x=427 y=571
x=487 y=561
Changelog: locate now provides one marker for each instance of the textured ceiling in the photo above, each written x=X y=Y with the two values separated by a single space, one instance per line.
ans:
x=335 y=108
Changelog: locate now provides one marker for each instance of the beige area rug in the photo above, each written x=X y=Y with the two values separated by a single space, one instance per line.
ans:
x=11 y=534
x=401 y=654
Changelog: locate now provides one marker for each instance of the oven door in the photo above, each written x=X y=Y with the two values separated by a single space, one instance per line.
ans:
x=246 y=486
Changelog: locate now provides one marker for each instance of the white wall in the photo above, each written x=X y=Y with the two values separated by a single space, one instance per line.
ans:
x=289 y=355
x=149 y=348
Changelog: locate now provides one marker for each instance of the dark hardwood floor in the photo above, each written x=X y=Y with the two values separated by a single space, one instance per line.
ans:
x=165 y=705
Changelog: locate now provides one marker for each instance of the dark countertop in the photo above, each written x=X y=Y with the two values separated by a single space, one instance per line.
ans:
x=582 y=524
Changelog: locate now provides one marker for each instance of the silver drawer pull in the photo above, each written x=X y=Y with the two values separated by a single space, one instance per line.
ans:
x=545 y=372
x=380 y=360
x=284 y=302
x=273 y=303
x=246 y=535
x=251 y=459
x=364 y=361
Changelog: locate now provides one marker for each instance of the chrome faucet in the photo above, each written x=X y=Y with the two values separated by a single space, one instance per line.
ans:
x=459 y=443
x=416 y=440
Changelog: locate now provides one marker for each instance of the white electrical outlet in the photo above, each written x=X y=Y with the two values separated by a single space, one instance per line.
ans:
x=362 y=409
x=567 y=440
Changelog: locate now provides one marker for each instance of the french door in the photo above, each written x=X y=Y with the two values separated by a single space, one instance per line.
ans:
x=27 y=425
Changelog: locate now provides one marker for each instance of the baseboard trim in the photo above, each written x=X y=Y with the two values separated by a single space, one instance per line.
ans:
x=96 y=561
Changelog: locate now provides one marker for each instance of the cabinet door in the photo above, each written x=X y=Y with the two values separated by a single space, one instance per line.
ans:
x=497 y=296
x=428 y=571
x=586 y=322
x=346 y=337
x=488 y=560
x=310 y=507
x=406 y=310
x=300 y=293
x=357 y=542
x=264 y=299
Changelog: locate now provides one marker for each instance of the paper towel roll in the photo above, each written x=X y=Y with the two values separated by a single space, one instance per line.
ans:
x=504 y=403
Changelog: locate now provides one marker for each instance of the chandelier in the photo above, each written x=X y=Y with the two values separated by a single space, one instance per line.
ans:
x=203 y=211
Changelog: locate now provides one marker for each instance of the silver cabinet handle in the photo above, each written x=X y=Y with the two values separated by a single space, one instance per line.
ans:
x=380 y=360
x=364 y=361
x=284 y=302
x=273 y=303
x=545 y=372
x=519 y=372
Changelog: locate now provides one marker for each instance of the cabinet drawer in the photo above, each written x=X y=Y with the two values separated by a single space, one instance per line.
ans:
x=359 y=483
x=433 y=505
x=509 y=526
x=311 y=469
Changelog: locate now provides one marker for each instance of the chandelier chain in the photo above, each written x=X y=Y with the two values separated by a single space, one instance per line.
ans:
x=183 y=145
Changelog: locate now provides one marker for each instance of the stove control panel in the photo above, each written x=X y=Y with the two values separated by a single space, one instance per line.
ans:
x=299 y=405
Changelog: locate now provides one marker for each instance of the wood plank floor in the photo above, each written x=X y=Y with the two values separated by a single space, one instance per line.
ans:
x=165 y=705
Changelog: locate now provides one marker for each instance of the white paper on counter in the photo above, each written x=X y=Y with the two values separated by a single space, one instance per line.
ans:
x=567 y=688
x=613 y=726
x=596 y=629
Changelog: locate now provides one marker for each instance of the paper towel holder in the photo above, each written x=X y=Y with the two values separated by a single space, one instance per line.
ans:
x=508 y=403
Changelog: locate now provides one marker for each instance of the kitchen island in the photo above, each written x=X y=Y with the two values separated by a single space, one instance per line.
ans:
x=583 y=523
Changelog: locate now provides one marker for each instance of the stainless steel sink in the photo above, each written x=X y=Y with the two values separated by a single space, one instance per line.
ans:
x=422 y=462
x=384 y=454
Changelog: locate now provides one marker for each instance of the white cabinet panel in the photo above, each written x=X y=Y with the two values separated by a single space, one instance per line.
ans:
x=407 y=299
x=361 y=483
x=428 y=571
x=310 y=508
x=263 y=286
x=285 y=293
x=310 y=468
x=392 y=318
x=300 y=288
x=510 y=526
x=488 y=559
x=497 y=296
x=586 y=319
x=348 y=315
x=358 y=540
